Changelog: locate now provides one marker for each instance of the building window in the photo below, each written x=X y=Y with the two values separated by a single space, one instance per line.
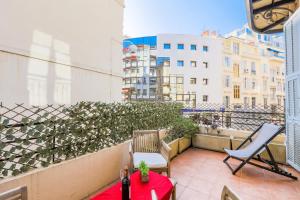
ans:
x=180 y=46
x=193 y=81
x=205 y=48
x=279 y=101
x=193 y=64
x=227 y=101
x=205 y=98
x=265 y=85
x=152 y=80
x=236 y=91
x=167 y=46
x=180 y=63
x=244 y=66
x=193 y=47
x=245 y=83
x=227 y=61
x=236 y=70
x=205 y=65
x=253 y=84
x=265 y=68
x=246 y=101
x=236 y=48
x=227 y=81
x=273 y=93
x=253 y=102
x=179 y=80
x=179 y=97
x=253 y=68
x=152 y=91
x=144 y=92
x=265 y=103
x=205 y=81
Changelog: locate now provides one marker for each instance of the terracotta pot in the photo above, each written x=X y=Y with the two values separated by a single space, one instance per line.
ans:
x=145 y=179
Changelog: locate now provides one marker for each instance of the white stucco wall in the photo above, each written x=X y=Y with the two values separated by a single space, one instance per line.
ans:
x=213 y=73
x=60 y=52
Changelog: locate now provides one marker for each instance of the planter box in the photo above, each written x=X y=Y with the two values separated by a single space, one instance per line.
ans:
x=218 y=143
x=184 y=143
x=174 y=148
x=280 y=139
x=211 y=142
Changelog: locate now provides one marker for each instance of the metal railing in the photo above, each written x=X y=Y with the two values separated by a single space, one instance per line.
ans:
x=236 y=116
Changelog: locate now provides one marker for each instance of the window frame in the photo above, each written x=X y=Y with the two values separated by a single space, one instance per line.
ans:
x=193 y=47
x=180 y=61
x=167 y=44
x=180 y=46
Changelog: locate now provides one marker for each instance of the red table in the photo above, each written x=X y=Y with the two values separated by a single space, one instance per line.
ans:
x=140 y=191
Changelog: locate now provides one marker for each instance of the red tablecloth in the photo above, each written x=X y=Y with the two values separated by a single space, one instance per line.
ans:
x=140 y=191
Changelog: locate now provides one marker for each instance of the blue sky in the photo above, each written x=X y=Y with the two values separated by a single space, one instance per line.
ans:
x=150 y=17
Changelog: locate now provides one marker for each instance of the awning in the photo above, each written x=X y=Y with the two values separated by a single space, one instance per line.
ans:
x=268 y=16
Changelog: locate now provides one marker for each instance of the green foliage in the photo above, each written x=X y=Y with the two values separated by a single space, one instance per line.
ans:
x=51 y=137
x=182 y=127
x=144 y=169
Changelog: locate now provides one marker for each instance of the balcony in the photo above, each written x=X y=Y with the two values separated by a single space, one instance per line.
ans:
x=201 y=174
x=79 y=150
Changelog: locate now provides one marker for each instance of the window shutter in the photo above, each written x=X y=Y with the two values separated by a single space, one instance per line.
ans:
x=292 y=40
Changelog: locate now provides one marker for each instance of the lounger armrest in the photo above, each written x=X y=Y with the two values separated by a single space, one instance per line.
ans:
x=165 y=150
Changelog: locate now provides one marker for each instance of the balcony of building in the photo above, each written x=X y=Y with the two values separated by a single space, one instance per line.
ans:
x=201 y=174
x=79 y=161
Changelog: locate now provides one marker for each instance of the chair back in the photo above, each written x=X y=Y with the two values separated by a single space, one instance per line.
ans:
x=19 y=193
x=266 y=133
x=146 y=141
x=227 y=194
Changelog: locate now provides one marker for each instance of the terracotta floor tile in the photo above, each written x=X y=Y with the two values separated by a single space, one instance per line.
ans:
x=200 y=185
x=189 y=194
x=179 y=190
x=201 y=174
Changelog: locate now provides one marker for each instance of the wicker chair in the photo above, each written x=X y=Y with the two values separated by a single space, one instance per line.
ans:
x=147 y=146
x=19 y=193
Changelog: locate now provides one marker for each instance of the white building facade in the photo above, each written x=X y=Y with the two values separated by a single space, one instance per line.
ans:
x=58 y=52
x=186 y=69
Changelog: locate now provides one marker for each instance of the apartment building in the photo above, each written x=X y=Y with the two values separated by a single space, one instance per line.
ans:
x=240 y=68
x=253 y=68
x=173 y=67
x=60 y=58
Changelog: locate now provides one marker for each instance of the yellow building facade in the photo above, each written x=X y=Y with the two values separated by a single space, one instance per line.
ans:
x=253 y=72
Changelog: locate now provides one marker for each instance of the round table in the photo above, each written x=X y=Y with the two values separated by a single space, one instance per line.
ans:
x=138 y=190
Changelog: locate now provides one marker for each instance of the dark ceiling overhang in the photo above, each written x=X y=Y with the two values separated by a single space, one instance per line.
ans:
x=268 y=16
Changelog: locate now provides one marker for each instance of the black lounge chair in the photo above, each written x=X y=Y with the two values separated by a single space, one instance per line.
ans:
x=264 y=135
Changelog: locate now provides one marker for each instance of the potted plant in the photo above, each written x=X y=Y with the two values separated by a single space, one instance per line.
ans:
x=184 y=129
x=144 y=170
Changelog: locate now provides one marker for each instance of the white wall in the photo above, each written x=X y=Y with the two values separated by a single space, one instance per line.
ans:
x=60 y=51
x=73 y=179
x=213 y=57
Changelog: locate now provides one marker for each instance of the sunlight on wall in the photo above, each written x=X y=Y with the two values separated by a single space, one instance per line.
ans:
x=46 y=85
x=62 y=87
x=37 y=69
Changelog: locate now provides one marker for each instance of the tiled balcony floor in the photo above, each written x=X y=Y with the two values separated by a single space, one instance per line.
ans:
x=201 y=174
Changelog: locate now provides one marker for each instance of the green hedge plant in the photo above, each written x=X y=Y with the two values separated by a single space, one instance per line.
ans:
x=50 y=135
x=182 y=127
